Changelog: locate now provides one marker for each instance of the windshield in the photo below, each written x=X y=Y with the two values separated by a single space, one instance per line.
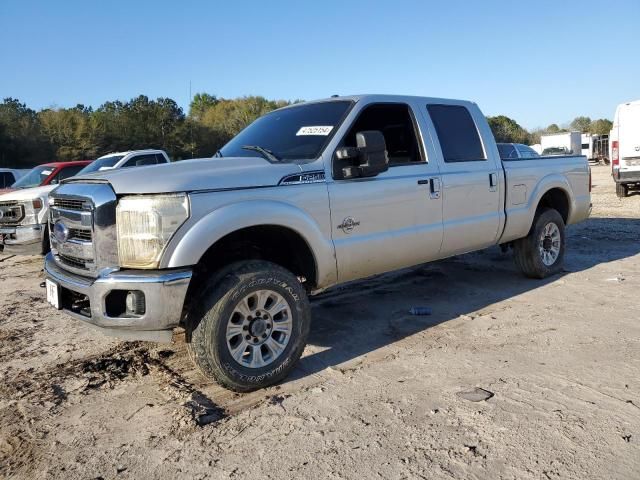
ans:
x=104 y=162
x=34 y=178
x=294 y=133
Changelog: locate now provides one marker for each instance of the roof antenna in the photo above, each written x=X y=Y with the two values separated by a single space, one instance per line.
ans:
x=191 y=121
x=334 y=96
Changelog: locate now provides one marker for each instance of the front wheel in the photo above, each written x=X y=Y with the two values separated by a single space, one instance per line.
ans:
x=541 y=253
x=250 y=325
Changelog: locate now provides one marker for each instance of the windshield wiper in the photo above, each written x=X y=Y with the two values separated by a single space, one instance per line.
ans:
x=218 y=154
x=268 y=154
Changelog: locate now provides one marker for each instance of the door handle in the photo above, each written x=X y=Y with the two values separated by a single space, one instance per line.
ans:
x=434 y=186
x=493 y=182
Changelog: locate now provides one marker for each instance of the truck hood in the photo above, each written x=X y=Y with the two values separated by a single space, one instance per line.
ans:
x=27 y=193
x=193 y=175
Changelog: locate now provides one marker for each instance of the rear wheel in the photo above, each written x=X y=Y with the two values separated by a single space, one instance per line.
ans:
x=541 y=253
x=250 y=326
x=622 y=190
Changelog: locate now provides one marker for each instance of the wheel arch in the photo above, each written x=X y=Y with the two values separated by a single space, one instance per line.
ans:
x=269 y=230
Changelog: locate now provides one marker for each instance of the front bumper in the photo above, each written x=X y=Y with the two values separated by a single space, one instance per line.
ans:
x=89 y=300
x=23 y=239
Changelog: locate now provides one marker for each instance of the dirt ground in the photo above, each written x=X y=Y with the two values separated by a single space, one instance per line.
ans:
x=378 y=392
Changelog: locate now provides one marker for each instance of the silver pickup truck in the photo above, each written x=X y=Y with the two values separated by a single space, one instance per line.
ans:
x=305 y=198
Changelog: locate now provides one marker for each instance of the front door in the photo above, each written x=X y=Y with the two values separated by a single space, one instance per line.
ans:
x=393 y=220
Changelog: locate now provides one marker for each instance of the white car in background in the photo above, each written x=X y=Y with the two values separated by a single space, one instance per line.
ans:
x=132 y=158
x=24 y=214
x=624 y=144
x=512 y=151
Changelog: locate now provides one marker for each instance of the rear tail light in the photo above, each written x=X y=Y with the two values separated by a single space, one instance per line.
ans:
x=615 y=154
x=590 y=184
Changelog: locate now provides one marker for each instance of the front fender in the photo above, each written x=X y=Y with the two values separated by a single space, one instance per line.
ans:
x=195 y=238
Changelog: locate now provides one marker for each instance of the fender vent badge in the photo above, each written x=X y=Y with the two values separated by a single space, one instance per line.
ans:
x=348 y=224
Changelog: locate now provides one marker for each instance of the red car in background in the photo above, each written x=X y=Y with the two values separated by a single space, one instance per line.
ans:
x=48 y=174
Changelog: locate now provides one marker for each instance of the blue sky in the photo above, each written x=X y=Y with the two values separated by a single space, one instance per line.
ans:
x=548 y=61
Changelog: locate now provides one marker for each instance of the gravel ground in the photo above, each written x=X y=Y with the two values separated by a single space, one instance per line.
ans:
x=379 y=393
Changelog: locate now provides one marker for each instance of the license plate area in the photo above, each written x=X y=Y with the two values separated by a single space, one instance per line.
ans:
x=53 y=293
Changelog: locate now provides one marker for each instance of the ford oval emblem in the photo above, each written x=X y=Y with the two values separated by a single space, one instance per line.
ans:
x=60 y=232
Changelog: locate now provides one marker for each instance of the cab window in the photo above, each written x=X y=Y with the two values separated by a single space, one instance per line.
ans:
x=457 y=132
x=396 y=123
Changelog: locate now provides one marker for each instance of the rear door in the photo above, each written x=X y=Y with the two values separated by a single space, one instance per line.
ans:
x=394 y=219
x=472 y=179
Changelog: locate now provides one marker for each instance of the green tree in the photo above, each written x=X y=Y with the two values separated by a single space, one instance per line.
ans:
x=581 y=124
x=601 y=126
x=200 y=104
x=71 y=132
x=22 y=143
x=553 y=128
x=507 y=130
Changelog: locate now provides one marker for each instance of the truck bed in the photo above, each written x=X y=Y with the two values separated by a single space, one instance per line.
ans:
x=568 y=174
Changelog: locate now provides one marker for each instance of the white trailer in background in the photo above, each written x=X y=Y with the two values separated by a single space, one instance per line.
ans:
x=564 y=143
x=537 y=147
x=587 y=140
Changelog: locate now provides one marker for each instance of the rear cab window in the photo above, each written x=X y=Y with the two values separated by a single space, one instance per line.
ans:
x=141 y=160
x=457 y=133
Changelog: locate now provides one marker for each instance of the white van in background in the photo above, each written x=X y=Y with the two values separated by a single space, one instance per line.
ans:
x=624 y=143
x=564 y=143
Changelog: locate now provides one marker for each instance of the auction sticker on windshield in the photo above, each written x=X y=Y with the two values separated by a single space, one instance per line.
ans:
x=315 y=130
x=52 y=294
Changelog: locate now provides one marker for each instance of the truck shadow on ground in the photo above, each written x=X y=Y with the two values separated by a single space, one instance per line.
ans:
x=362 y=317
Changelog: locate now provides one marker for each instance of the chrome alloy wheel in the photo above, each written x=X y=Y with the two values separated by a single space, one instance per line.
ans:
x=259 y=328
x=549 y=244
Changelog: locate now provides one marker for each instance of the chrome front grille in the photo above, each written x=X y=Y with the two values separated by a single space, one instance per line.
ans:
x=79 y=234
x=82 y=228
x=11 y=213
x=74 y=262
x=71 y=204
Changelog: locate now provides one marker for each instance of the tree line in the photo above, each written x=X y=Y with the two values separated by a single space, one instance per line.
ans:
x=507 y=130
x=29 y=137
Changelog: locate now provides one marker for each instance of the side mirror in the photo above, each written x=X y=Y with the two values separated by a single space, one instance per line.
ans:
x=370 y=155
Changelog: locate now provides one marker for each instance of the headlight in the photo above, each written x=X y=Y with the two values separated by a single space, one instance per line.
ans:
x=145 y=225
x=31 y=210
